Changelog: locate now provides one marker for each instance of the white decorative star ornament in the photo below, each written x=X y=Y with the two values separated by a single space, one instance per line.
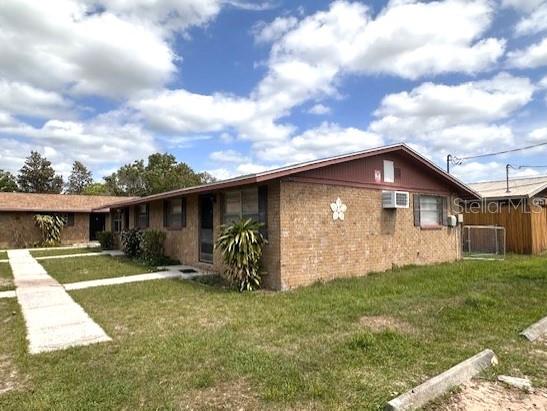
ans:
x=338 y=209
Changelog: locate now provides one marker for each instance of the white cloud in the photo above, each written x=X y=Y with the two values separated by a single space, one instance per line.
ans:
x=319 y=109
x=458 y=117
x=538 y=135
x=531 y=57
x=20 y=98
x=534 y=23
x=97 y=142
x=307 y=60
x=61 y=45
x=269 y=32
x=228 y=156
x=522 y=5
x=324 y=141
x=177 y=15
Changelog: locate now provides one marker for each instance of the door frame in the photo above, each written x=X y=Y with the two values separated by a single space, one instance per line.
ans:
x=212 y=198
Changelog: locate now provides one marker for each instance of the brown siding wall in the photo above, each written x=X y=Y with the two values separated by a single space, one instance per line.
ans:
x=410 y=177
x=18 y=230
x=314 y=247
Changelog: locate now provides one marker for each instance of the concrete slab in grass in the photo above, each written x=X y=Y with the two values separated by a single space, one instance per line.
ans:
x=442 y=383
x=7 y=294
x=536 y=330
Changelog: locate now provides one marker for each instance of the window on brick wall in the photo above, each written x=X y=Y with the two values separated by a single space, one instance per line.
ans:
x=430 y=211
x=142 y=216
x=68 y=218
x=247 y=203
x=174 y=213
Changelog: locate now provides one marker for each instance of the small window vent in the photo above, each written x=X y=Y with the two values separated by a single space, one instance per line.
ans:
x=395 y=199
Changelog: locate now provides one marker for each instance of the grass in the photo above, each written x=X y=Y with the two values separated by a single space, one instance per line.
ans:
x=3 y=255
x=194 y=346
x=69 y=270
x=6 y=278
x=63 y=251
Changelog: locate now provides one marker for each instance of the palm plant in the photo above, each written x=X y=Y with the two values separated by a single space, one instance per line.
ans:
x=51 y=227
x=241 y=244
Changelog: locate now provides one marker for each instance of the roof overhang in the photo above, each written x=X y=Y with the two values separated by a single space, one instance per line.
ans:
x=257 y=178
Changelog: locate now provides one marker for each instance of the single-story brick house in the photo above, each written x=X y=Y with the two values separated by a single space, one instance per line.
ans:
x=338 y=217
x=84 y=217
x=519 y=205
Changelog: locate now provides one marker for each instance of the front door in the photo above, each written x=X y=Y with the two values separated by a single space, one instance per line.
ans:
x=206 y=228
x=96 y=224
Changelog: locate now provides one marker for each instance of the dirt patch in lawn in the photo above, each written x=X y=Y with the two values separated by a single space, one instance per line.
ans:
x=235 y=395
x=483 y=396
x=379 y=323
x=9 y=377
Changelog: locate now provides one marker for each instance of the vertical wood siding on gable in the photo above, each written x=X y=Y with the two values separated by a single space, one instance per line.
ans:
x=409 y=175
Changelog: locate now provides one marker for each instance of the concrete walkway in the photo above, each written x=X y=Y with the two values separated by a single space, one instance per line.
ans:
x=162 y=275
x=111 y=253
x=54 y=320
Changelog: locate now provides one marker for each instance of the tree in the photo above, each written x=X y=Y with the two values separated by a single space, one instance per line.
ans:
x=128 y=180
x=162 y=173
x=96 y=189
x=8 y=183
x=38 y=176
x=79 y=179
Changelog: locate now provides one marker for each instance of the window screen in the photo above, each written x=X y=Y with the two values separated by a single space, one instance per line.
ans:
x=430 y=211
x=142 y=216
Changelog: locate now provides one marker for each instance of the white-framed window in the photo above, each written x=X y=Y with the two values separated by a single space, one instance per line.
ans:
x=389 y=171
x=430 y=210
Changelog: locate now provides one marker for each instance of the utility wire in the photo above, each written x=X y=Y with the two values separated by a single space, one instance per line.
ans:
x=500 y=152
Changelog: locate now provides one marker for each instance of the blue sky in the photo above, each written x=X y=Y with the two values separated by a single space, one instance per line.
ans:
x=237 y=86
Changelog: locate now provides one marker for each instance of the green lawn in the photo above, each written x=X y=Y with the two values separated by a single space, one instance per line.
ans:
x=6 y=278
x=183 y=345
x=69 y=270
x=63 y=251
x=3 y=255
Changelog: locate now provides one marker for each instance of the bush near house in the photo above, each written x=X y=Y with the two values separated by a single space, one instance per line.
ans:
x=106 y=240
x=241 y=245
x=152 y=247
x=131 y=242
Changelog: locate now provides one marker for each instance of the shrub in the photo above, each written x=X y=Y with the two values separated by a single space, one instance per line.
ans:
x=241 y=245
x=152 y=247
x=106 y=239
x=51 y=227
x=131 y=242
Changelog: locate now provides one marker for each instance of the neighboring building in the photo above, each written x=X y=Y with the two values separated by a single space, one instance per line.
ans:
x=83 y=215
x=519 y=207
x=297 y=205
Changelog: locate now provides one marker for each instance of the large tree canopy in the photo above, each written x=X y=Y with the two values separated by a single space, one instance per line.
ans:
x=38 y=176
x=79 y=179
x=161 y=173
x=8 y=183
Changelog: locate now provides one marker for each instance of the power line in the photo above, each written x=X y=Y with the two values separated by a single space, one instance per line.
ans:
x=456 y=161
x=502 y=152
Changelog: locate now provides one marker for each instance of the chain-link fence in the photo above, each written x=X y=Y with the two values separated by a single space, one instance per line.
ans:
x=483 y=242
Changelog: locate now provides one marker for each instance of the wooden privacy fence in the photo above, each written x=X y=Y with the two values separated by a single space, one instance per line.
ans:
x=525 y=227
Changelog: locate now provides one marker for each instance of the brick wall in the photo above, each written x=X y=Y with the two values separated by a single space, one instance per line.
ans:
x=183 y=244
x=314 y=247
x=18 y=230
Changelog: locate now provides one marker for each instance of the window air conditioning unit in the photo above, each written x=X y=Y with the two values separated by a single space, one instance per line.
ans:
x=395 y=199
